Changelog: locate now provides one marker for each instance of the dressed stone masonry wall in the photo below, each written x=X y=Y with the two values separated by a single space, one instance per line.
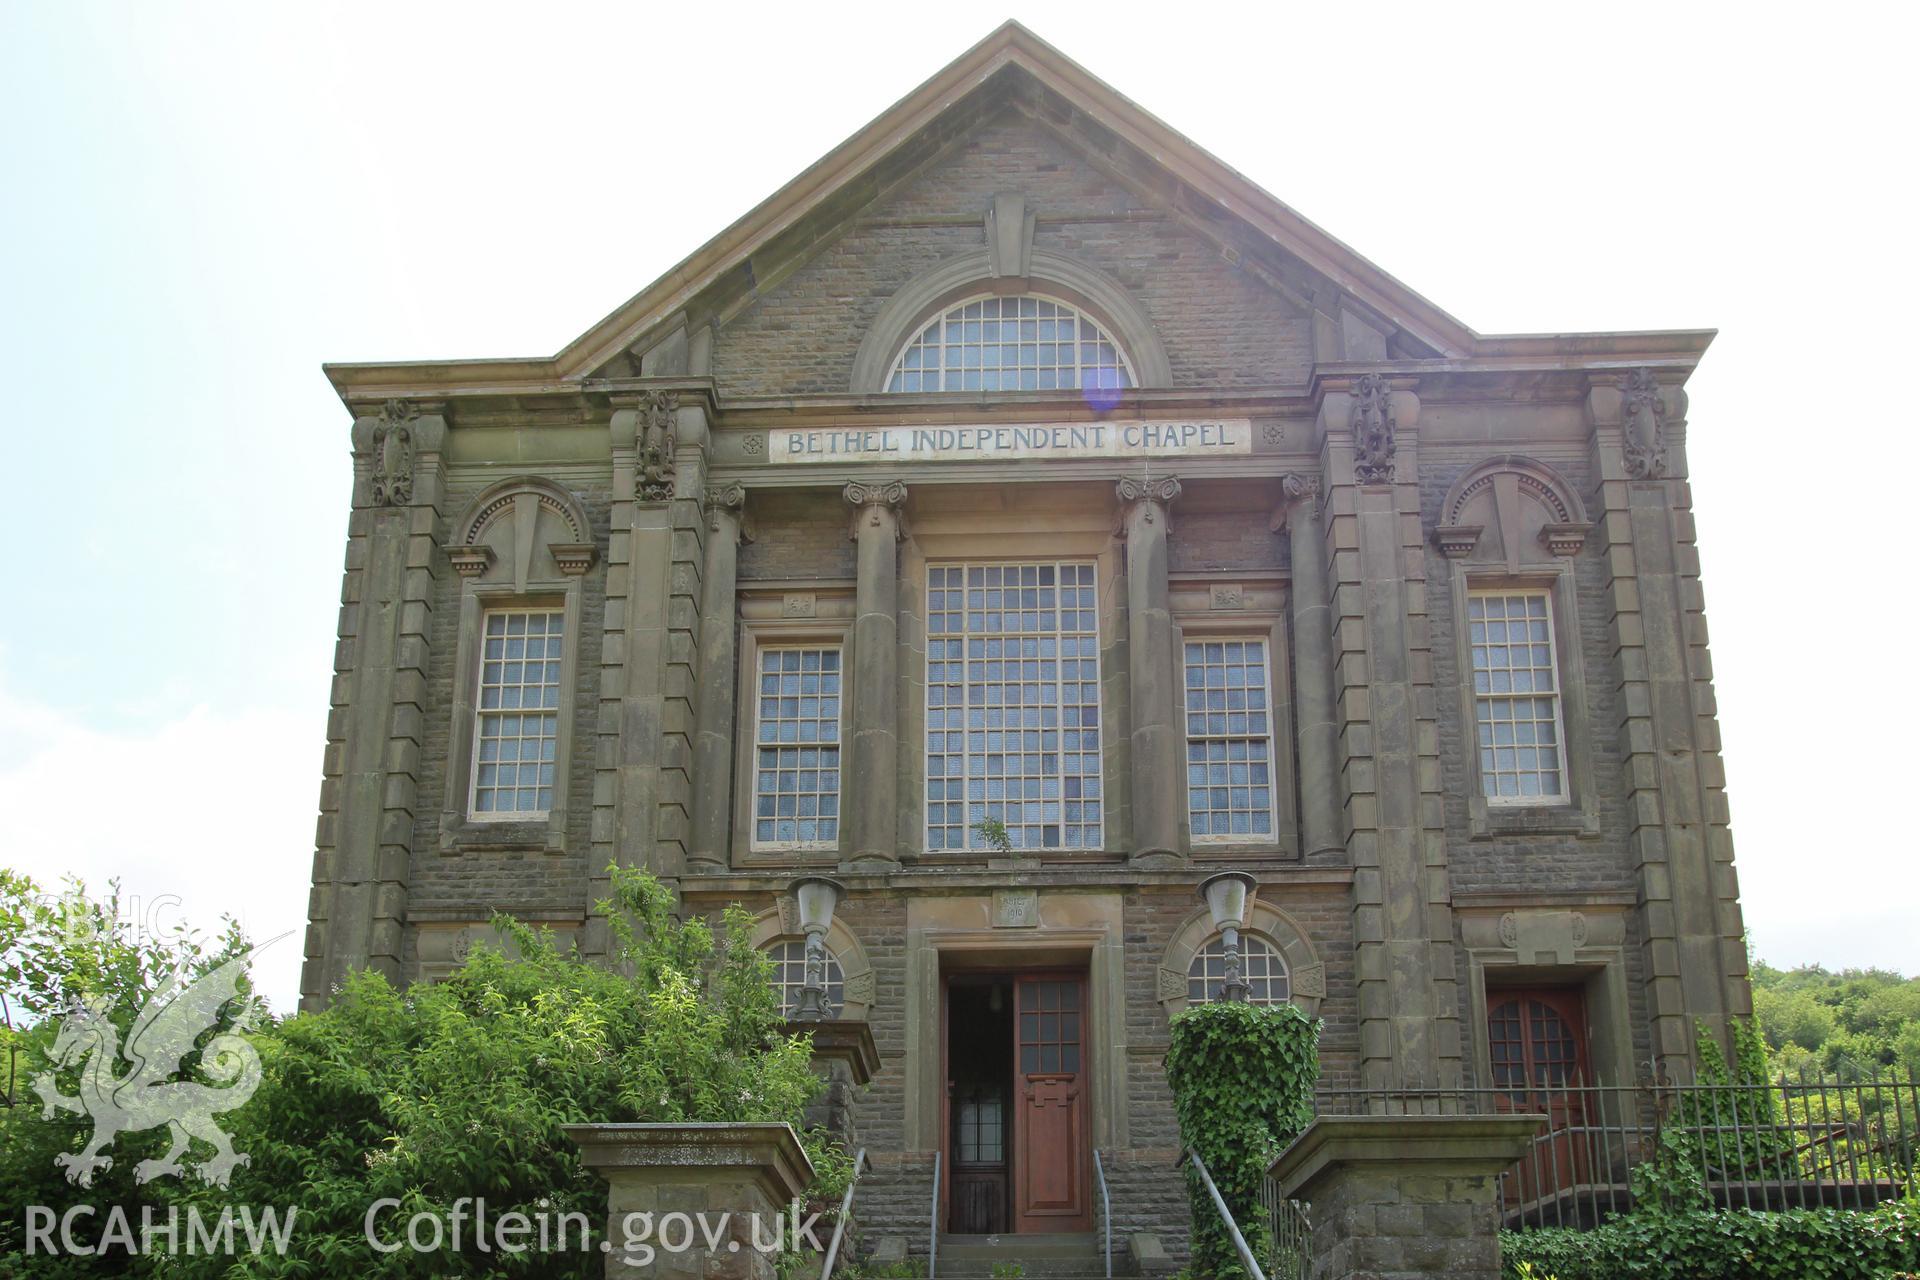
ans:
x=1399 y=1197
x=1340 y=535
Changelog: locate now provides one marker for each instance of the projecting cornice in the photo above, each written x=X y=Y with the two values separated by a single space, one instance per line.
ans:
x=658 y=315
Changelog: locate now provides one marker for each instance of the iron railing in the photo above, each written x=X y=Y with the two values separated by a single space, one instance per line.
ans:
x=846 y=1216
x=933 y=1224
x=1291 y=1227
x=1226 y=1218
x=1106 y=1214
x=1805 y=1143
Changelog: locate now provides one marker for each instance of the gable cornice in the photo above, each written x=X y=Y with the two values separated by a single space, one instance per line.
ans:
x=1013 y=45
x=1009 y=47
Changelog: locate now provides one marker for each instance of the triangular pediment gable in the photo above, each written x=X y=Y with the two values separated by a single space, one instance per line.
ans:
x=1012 y=70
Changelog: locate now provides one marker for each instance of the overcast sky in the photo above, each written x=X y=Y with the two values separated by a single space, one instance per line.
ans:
x=199 y=204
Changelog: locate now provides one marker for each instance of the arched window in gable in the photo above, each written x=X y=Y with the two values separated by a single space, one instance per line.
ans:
x=1024 y=343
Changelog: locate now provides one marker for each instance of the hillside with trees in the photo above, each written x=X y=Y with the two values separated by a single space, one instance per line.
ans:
x=1846 y=1024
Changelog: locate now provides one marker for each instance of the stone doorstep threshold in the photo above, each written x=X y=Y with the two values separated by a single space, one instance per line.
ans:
x=1011 y=1245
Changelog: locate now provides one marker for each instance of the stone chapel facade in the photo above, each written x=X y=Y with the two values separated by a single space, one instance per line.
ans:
x=1021 y=463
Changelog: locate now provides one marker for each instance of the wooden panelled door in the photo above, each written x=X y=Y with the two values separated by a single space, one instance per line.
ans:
x=1537 y=1043
x=1050 y=1100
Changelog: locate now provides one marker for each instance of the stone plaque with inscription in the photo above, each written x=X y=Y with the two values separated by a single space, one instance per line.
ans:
x=1016 y=909
x=1187 y=438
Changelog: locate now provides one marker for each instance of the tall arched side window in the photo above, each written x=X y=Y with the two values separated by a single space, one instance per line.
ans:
x=1025 y=343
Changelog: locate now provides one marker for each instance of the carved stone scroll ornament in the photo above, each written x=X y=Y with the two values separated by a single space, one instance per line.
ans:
x=868 y=500
x=728 y=498
x=1643 y=433
x=1173 y=984
x=859 y=988
x=392 y=484
x=653 y=478
x=1373 y=427
x=1296 y=492
x=1160 y=492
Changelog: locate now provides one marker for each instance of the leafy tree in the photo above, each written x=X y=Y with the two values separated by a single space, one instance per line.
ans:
x=1844 y=1025
x=55 y=949
x=438 y=1092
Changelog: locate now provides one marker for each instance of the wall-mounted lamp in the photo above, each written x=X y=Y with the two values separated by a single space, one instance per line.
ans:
x=817 y=896
x=1225 y=894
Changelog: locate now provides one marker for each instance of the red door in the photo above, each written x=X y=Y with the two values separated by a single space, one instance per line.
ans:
x=1050 y=1117
x=1537 y=1042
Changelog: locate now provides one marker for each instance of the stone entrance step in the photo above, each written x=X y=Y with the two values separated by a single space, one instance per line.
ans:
x=1039 y=1257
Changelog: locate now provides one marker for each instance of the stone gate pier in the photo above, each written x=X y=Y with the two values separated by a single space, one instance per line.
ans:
x=1404 y=1197
x=739 y=1172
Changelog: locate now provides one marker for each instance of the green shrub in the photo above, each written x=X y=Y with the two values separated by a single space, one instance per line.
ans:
x=1733 y=1130
x=1243 y=1077
x=1736 y=1244
x=436 y=1093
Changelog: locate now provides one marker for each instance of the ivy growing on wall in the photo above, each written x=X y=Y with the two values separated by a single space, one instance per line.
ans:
x=1732 y=1244
x=1243 y=1078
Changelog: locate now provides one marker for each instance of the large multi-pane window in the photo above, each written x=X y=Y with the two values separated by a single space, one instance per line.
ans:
x=518 y=717
x=1013 y=705
x=1260 y=965
x=796 y=789
x=1229 y=740
x=1010 y=344
x=789 y=958
x=1516 y=697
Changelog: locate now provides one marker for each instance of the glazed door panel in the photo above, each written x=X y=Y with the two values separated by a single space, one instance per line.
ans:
x=1538 y=1044
x=1051 y=1174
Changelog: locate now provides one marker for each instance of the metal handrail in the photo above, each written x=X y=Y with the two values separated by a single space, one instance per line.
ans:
x=1106 y=1214
x=846 y=1211
x=933 y=1224
x=1220 y=1204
